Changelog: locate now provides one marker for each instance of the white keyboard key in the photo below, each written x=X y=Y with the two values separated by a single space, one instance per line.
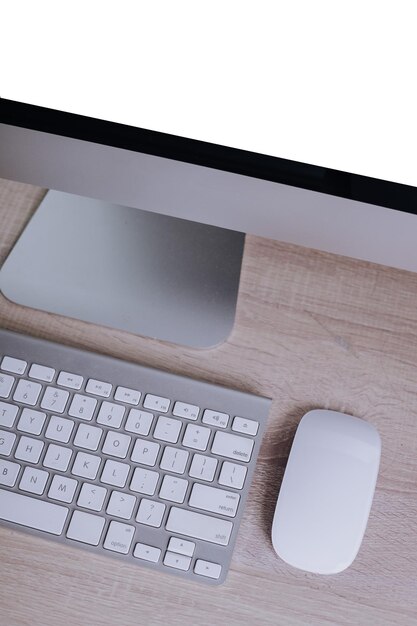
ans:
x=14 y=366
x=156 y=403
x=150 y=513
x=85 y=527
x=178 y=561
x=6 y=384
x=167 y=429
x=145 y=452
x=174 y=460
x=40 y=372
x=173 y=489
x=72 y=381
x=116 y=444
x=208 y=569
x=98 y=388
x=232 y=446
x=245 y=426
x=54 y=399
x=57 y=457
x=214 y=500
x=33 y=480
x=119 y=537
x=92 y=497
x=115 y=473
x=128 y=396
x=189 y=411
x=196 y=437
x=7 y=440
x=144 y=481
x=82 y=407
x=121 y=505
x=31 y=512
x=139 y=422
x=86 y=465
x=181 y=546
x=8 y=414
x=199 y=526
x=8 y=472
x=28 y=449
x=62 y=488
x=111 y=414
x=27 y=392
x=232 y=475
x=215 y=418
x=31 y=421
x=87 y=437
x=203 y=467
x=59 y=429
x=147 y=553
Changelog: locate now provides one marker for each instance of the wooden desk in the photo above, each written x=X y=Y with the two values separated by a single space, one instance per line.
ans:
x=312 y=330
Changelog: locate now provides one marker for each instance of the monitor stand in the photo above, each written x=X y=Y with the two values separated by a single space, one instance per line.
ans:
x=129 y=269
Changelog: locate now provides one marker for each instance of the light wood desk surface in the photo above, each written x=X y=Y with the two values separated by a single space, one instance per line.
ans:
x=312 y=330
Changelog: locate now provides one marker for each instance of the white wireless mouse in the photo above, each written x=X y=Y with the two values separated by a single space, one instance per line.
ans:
x=326 y=493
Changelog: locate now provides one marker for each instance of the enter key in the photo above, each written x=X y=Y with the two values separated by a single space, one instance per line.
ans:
x=214 y=500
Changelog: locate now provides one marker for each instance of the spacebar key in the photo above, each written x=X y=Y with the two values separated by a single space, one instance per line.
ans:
x=199 y=526
x=38 y=514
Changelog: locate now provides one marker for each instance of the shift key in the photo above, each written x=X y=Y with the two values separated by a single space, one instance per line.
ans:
x=199 y=526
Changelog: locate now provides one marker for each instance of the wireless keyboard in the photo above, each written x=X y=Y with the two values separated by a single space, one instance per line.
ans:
x=129 y=461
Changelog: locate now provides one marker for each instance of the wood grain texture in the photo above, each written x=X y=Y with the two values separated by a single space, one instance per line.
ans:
x=312 y=330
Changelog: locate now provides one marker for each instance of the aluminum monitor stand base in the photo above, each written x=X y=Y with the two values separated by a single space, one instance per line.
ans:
x=133 y=270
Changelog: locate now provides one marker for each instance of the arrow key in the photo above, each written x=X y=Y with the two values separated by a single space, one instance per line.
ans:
x=147 y=553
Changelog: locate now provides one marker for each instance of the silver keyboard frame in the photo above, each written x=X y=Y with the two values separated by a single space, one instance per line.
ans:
x=147 y=380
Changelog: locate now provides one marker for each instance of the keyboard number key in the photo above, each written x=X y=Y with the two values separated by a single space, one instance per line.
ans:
x=82 y=407
x=167 y=429
x=111 y=414
x=54 y=399
x=138 y=422
x=6 y=384
x=27 y=392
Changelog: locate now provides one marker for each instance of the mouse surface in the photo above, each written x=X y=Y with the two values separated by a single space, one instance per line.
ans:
x=326 y=493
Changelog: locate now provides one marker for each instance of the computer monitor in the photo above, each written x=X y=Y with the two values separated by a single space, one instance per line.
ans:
x=145 y=231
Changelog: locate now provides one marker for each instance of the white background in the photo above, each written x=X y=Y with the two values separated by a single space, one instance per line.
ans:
x=327 y=83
